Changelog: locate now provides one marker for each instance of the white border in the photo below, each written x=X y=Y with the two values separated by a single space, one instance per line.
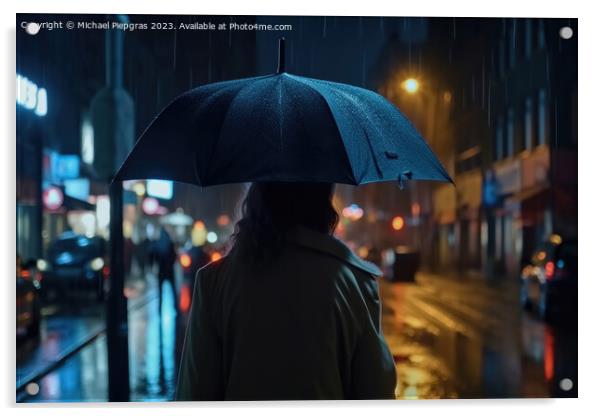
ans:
x=590 y=71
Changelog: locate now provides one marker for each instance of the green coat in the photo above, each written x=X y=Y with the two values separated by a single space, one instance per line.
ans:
x=307 y=327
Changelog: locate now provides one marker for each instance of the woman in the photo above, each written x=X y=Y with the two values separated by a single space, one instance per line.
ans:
x=290 y=313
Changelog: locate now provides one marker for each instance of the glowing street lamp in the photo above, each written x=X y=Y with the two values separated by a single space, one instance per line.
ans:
x=411 y=85
x=397 y=223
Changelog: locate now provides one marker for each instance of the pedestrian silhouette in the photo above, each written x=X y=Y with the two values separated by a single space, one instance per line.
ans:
x=164 y=253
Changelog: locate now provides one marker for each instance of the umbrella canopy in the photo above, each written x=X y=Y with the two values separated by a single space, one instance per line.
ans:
x=281 y=127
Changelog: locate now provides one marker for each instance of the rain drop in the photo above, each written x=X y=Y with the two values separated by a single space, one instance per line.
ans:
x=230 y=36
x=364 y=68
x=514 y=33
x=489 y=102
x=175 y=38
x=473 y=89
x=556 y=125
x=483 y=83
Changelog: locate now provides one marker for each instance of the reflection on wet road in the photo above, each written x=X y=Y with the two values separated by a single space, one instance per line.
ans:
x=454 y=337
x=450 y=337
x=152 y=340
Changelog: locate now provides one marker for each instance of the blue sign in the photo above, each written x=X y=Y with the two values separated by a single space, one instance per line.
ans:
x=78 y=188
x=65 y=166
x=491 y=190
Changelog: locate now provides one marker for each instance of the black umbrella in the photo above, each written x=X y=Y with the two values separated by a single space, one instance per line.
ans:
x=281 y=127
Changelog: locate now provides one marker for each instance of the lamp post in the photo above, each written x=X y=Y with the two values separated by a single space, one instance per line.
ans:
x=112 y=112
x=428 y=107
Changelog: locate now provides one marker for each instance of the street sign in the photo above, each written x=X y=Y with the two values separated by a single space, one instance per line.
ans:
x=112 y=113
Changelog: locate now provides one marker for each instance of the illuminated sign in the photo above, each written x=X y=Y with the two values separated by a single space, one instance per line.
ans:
x=159 y=188
x=65 y=166
x=77 y=188
x=150 y=206
x=87 y=141
x=31 y=97
x=53 y=198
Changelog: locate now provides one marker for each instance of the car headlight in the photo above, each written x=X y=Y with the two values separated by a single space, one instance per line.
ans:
x=97 y=264
x=42 y=265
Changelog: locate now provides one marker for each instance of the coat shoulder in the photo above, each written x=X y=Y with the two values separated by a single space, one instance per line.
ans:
x=207 y=274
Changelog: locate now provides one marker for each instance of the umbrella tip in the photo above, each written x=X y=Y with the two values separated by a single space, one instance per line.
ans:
x=281 y=56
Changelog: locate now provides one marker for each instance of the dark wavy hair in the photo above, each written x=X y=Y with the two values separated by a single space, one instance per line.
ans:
x=270 y=209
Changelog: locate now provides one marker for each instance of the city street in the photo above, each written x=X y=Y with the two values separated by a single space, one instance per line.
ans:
x=163 y=150
x=461 y=337
x=451 y=337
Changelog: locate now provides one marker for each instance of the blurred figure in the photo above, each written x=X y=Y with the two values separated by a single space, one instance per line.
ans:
x=291 y=313
x=164 y=253
x=143 y=254
x=192 y=258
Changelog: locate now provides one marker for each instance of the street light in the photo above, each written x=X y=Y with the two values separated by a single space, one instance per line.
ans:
x=411 y=85
x=397 y=223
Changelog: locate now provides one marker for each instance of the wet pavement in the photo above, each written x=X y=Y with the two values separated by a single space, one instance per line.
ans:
x=83 y=376
x=451 y=337
x=467 y=338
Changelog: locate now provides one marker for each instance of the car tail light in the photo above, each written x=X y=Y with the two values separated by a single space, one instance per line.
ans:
x=185 y=298
x=549 y=270
x=106 y=271
x=25 y=274
x=185 y=261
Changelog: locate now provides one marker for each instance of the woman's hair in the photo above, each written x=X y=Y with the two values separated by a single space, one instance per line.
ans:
x=270 y=209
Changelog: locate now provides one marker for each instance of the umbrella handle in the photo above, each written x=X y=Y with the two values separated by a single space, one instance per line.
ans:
x=281 y=56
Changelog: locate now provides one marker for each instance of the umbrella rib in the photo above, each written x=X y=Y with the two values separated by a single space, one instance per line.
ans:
x=301 y=81
x=348 y=98
x=364 y=131
x=217 y=139
x=281 y=112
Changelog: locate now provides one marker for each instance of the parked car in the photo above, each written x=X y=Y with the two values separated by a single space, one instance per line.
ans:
x=28 y=301
x=402 y=263
x=75 y=263
x=549 y=279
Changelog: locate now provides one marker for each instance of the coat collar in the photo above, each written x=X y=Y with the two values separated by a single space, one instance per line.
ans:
x=332 y=246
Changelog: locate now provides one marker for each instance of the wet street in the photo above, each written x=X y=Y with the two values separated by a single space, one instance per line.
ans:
x=83 y=375
x=451 y=337
x=460 y=337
